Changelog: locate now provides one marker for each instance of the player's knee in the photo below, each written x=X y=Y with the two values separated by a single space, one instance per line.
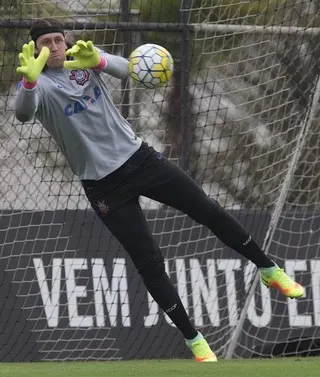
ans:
x=206 y=211
x=152 y=269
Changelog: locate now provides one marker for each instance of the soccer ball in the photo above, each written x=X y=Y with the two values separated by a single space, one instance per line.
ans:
x=150 y=65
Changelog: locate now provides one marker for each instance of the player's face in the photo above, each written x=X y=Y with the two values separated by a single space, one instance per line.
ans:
x=57 y=45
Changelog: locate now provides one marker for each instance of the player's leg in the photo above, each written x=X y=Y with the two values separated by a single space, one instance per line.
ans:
x=128 y=224
x=176 y=189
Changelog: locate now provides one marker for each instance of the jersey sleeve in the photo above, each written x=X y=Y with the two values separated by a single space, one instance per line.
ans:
x=27 y=102
x=114 y=65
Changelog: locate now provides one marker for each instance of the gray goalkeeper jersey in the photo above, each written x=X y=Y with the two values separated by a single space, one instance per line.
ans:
x=76 y=108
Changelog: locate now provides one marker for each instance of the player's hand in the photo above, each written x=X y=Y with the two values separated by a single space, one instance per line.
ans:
x=31 y=67
x=85 y=55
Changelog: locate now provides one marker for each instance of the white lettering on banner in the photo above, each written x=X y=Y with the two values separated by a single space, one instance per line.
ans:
x=263 y=319
x=75 y=291
x=152 y=318
x=51 y=300
x=295 y=319
x=182 y=282
x=203 y=293
x=229 y=266
x=315 y=280
x=118 y=290
x=107 y=296
x=166 y=317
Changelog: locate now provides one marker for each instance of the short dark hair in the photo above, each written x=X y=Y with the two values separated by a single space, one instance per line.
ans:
x=45 y=25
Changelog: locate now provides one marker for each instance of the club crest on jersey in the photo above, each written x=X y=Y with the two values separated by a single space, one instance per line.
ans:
x=81 y=76
x=102 y=207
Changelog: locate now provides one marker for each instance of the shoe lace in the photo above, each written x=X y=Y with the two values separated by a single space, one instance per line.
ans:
x=201 y=349
x=285 y=280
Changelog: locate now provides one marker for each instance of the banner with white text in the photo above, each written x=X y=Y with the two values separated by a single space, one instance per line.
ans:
x=68 y=288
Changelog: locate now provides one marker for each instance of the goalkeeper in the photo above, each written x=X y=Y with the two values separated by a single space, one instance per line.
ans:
x=71 y=100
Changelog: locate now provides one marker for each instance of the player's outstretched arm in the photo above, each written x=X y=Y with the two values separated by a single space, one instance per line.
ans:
x=116 y=66
x=30 y=68
x=87 y=56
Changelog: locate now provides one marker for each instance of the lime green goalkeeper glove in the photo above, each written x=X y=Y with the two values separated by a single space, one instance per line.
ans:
x=85 y=55
x=31 y=67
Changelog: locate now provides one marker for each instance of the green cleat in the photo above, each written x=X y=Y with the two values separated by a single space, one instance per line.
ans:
x=275 y=277
x=202 y=351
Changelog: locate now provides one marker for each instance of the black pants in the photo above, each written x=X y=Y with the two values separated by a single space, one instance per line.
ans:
x=148 y=173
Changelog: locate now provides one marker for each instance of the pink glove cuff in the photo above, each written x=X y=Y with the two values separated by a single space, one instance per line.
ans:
x=28 y=85
x=102 y=65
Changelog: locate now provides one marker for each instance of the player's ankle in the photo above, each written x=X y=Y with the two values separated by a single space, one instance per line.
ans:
x=266 y=268
x=195 y=339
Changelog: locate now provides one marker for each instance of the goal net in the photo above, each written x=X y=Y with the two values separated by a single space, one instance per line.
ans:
x=240 y=114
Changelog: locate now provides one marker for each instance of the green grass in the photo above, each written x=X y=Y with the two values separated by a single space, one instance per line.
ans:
x=286 y=367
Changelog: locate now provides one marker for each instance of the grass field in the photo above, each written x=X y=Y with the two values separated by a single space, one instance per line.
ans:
x=286 y=367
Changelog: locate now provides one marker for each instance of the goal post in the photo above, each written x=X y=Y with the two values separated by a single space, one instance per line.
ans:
x=280 y=204
x=240 y=115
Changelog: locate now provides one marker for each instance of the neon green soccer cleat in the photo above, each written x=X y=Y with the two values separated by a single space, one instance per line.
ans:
x=275 y=277
x=202 y=351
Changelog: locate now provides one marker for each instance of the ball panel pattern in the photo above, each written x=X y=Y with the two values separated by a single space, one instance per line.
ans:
x=150 y=65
